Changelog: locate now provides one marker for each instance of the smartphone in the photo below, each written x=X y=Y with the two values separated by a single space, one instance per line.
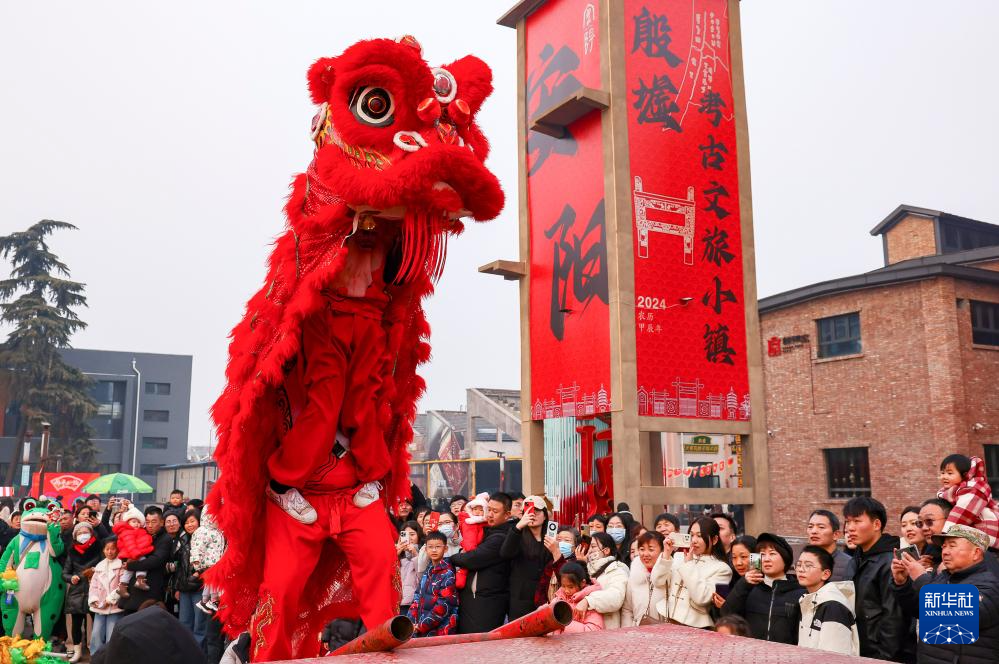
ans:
x=722 y=589
x=911 y=550
x=528 y=509
x=551 y=530
x=585 y=530
x=432 y=520
x=680 y=540
x=756 y=561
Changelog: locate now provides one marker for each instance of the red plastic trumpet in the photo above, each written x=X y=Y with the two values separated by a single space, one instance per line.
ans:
x=392 y=634
x=539 y=622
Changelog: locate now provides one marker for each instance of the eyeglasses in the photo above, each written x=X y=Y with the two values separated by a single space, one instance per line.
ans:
x=927 y=522
x=804 y=567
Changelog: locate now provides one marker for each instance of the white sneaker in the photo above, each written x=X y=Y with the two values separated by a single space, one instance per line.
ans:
x=295 y=504
x=203 y=607
x=367 y=494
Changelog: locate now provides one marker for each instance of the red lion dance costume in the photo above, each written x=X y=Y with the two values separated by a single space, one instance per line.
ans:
x=321 y=383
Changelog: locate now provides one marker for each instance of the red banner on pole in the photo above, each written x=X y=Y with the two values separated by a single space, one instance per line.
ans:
x=569 y=314
x=689 y=309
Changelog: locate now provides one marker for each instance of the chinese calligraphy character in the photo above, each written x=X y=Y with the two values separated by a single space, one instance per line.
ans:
x=965 y=601
x=716 y=344
x=653 y=38
x=711 y=104
x=657 y=102
x=719 y=297
x=585 y=267
x=716 y=246
x=712 y=154
x=552 y=81
x=713 y=194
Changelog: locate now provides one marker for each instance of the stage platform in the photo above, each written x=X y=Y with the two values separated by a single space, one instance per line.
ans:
x=659 y=643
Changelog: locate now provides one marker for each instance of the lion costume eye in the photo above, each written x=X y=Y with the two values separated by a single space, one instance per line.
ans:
x=372 y=106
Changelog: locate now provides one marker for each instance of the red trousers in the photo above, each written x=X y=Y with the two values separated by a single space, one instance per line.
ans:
x=367 y=539
x=344 y=356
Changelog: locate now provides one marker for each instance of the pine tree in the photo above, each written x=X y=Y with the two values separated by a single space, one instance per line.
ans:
x=38 y=301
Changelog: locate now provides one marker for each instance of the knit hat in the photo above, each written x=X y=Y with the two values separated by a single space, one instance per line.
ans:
x=133 y=513
x=481 y=500
x=83 y=525
x=779 y=543
x=973 y=535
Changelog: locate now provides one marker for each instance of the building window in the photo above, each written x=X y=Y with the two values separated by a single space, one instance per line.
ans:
x=108 y=468
x=149 y=469
x=957 y=238
x=162 y=389
x=108 y=423
x=985 y=323
x=839 y=335
x=156 y=416
x=154 y=443
x=847 y=472
x=992 y=466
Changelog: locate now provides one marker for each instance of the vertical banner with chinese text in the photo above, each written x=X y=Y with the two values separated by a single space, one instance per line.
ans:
x=569 y=314
x=689 y=302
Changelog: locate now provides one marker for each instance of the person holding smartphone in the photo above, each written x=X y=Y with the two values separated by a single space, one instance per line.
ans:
x=525 y=549
x=407 y=548
x=768 y=595
x=688 y=582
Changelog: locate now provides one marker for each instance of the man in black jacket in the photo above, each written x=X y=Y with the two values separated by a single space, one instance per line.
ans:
x=963 y=551
x=882 y=624
x=154 y=565
x=483 y=601
x=768 y=598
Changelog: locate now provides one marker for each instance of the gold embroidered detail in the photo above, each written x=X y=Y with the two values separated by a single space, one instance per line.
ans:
x=263 y=617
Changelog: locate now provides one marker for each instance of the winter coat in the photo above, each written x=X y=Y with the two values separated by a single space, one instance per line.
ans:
x=105 y=580
x=549 y=582
x=842 y=561
x=688 y=587
x=76 y=564
x=827 y=619
x=407 y=572
x=154 y=565
x=485 y=598
x=422 y=561
x=880 y=620
x=133 y=543
x=642 y=596
x=612 y=575
x=986 y=648
x=434 y=610
x=772 y=611
x=184 y=578
x=527 y=564
x=592 y=620
x=973 y=503
x=207 y=546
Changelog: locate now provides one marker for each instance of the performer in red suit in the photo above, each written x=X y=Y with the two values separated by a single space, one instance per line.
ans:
x=321 y=390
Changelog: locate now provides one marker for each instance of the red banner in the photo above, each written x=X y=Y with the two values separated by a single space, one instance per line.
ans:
x=689 y=308
x=570 y=319
x=67 y=485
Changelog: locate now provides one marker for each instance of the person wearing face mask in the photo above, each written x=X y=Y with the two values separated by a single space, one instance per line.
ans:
x=643 y=595
x=689 y=581
x=612 y=575
x=565 y=547
x=525 y=549
x=448 y=527
x=81 y=559
x=619 y=528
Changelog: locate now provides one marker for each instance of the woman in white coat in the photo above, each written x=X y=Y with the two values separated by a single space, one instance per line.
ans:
x=612 y=575
x=643 y=595
x=689 y=579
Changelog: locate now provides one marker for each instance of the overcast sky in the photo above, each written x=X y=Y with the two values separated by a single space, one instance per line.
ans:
x=168 y=133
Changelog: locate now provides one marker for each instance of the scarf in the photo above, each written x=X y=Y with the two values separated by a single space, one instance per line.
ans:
x=82 y=548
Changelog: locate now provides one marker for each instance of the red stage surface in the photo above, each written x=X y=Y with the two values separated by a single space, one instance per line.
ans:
x=662 y=643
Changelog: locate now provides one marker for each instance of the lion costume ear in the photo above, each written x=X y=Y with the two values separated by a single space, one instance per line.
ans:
x=320 y=79
x=474 y=79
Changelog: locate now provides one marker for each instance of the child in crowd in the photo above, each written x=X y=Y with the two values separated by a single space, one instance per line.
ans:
x=967 y=487
x=134 y=543
x=827 y=621
x=207 y=547
x=472 y=523
x=574 y=585
x=732 y=625
x=102 y=597
x=434 y=610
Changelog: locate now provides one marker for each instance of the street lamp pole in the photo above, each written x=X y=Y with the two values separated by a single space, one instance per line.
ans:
x=43 y=454
x=135 y=424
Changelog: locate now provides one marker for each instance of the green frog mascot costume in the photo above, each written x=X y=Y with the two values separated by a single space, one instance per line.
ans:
x=31 y=577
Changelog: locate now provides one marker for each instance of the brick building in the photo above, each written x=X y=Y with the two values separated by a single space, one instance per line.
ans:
x=872 y=379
